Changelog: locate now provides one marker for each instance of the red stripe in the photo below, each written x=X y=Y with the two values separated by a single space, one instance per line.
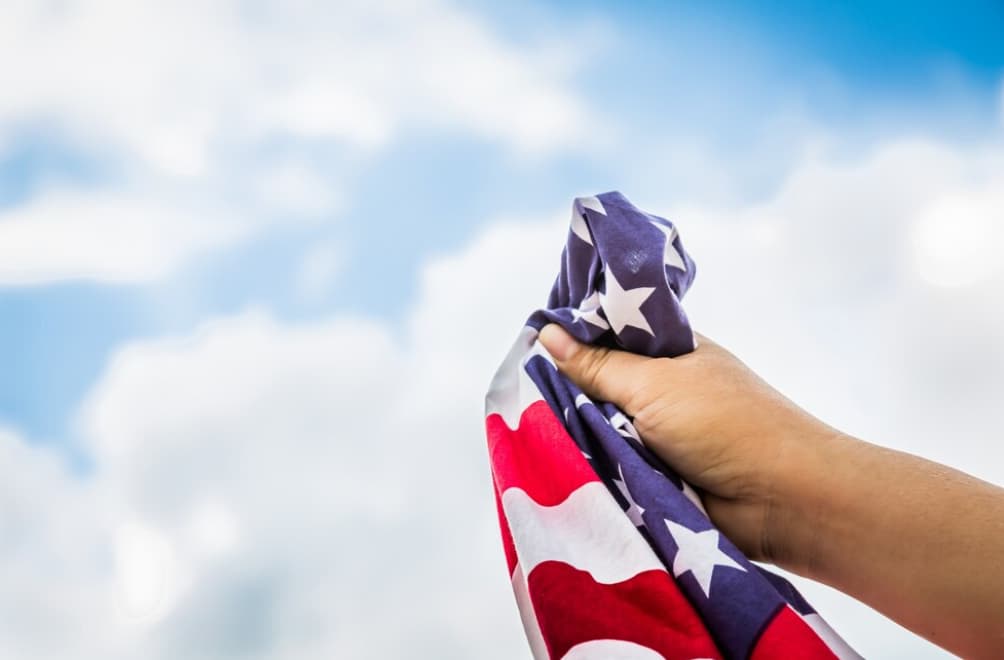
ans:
x=539 y=456
x=788 y=636
x=648 y=609
x=507 y=542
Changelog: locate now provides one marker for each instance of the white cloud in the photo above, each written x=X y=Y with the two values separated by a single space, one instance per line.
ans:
x=868 y=290
x=104 y=237
x=313 y=491
x=321 y=489
x=174 y=83
x=957 y=241
x=356 y=512
x=52 y=562
x=145 y=571
x=843 y=258
x=288 y=490
x=224 y=97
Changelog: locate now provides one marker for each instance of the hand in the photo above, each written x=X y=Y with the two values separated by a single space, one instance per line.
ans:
x=918 y=541
x=715 y=422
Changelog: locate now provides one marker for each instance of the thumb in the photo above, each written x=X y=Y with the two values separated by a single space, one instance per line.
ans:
x=602 y=373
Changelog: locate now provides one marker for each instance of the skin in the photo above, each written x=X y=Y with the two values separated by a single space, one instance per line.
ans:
x=918 y=541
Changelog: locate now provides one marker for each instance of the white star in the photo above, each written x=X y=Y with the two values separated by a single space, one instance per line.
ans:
x=582 y=400
x=624 y=426
x=589 y=311
x=623 y=307
x=670 y=255
x=634 y=511
x=579 y=227
x=698 y=553
x=592 y=203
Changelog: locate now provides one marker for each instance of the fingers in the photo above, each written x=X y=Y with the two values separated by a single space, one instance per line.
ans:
x=600 y=372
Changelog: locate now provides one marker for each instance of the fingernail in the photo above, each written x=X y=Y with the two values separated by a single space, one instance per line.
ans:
x=558 y=342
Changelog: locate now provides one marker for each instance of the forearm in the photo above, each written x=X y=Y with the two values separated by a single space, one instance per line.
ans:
x=920 y=542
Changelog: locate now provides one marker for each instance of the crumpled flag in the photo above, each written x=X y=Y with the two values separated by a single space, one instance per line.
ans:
x=610 y=553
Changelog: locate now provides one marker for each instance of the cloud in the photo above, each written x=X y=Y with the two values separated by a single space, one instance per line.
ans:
x=344 y=471
x=869 y=266
x=866 y=289
x=285 y=490
x=177 y=84
x=257 y=111
x=319 y=489
x=52 y=562
x=957 y=240
x=104 y=237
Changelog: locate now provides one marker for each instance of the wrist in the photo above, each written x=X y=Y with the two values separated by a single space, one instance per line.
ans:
x=804 y=495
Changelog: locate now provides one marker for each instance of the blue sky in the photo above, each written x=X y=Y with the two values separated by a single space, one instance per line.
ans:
x=176 y=180
x=714 y=72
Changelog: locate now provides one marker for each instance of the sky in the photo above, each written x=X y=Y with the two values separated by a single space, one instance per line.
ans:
x=259 y=260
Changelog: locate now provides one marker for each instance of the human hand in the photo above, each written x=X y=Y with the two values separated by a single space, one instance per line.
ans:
x=918 y=541
x=720 y=426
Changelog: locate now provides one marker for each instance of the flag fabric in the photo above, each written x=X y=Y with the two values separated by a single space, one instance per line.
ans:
x=611 y=555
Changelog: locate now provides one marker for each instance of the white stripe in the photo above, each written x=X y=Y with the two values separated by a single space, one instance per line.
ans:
x=588 y=531
x=591 y=203
x=530 y=626
x=578 y=226
x=839 y=647
x=611 y=649
x=511 y=390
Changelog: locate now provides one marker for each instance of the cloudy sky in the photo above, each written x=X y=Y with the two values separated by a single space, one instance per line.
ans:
x=259 y=260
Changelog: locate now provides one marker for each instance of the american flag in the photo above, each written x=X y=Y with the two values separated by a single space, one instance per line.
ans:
x=611 y=555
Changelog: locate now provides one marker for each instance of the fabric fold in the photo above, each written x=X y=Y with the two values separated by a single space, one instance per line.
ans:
x=607 y=547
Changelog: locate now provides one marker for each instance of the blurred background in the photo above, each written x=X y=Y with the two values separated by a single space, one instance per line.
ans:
x=259 y=260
